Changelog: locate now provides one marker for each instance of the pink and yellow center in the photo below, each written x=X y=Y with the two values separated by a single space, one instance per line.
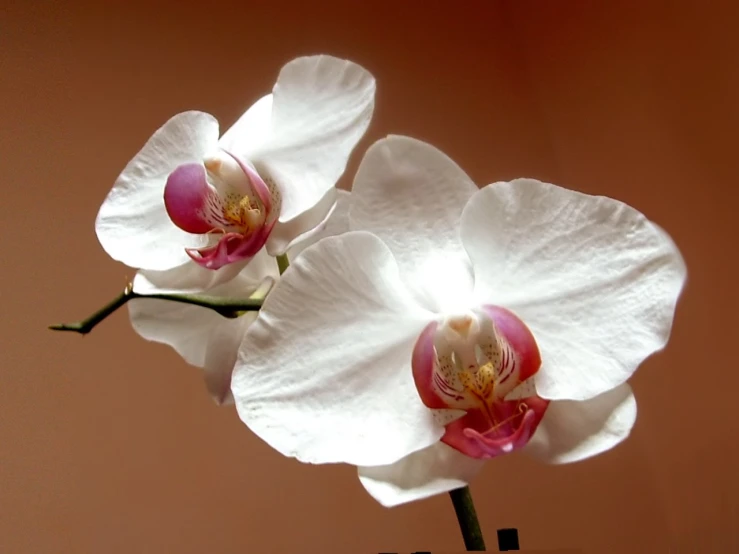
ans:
x=476 y=373
x=243 y=211
x=224 y=195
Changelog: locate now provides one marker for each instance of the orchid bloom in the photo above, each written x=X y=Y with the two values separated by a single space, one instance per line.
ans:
x=452 y=324
x=201 y=336
x=189 y=198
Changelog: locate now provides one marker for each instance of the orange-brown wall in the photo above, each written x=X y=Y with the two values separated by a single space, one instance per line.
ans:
x=110 y=444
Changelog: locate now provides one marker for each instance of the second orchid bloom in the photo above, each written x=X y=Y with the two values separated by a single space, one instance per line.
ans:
x=451 y=325
x=196 y=213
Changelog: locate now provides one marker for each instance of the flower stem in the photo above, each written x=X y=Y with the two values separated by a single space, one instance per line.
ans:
x=467 y=517
x=282 y=263
x=227 y=307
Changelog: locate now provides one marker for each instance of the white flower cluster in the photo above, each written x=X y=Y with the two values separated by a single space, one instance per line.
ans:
x=424 y=325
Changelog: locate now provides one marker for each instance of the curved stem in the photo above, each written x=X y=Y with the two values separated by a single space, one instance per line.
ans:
x=227 y=307
x=467 y=517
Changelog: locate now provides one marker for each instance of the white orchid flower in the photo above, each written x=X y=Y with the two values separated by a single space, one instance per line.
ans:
x=451 y=325
x=190 y=199
x=200 y=335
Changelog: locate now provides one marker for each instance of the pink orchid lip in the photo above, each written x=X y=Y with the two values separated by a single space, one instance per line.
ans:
x=231 y=248
x=492 y=447
x=492 y=426
x=195 y=206
x=475 y=435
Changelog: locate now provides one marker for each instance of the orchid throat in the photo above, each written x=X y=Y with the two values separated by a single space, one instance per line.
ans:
x=223 y=196
x=475 y=371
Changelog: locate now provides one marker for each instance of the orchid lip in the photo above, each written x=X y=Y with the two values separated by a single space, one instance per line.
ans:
x=491 y=446
x=231 y=248
x=222 y=195
x=473 y=363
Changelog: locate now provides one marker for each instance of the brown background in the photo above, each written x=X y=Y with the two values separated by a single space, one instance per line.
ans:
x=110 y=443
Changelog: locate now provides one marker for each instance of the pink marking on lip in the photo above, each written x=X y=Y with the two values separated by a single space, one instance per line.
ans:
x=187 y=195
x=496 y=426
x=503 y=427
x=475 y=435
x=232 y=247
x=194 y=205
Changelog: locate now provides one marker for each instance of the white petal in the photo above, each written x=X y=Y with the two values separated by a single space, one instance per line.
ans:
x=251 y=130
x=193 y=278
x=411 y=195
x=184 y=327
x=324 y=374
x=186 y=278
x=288 y=234
x=573 y=430
x=221 y=353
x=321 y=108
x=435 y=469
x=132 y=225
x=200 y=335
x=336 y=223
x=593 y=279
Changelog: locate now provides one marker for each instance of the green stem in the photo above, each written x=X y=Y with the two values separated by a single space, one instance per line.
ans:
x=467 y=517
x=227 y=307
x=282 y=263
